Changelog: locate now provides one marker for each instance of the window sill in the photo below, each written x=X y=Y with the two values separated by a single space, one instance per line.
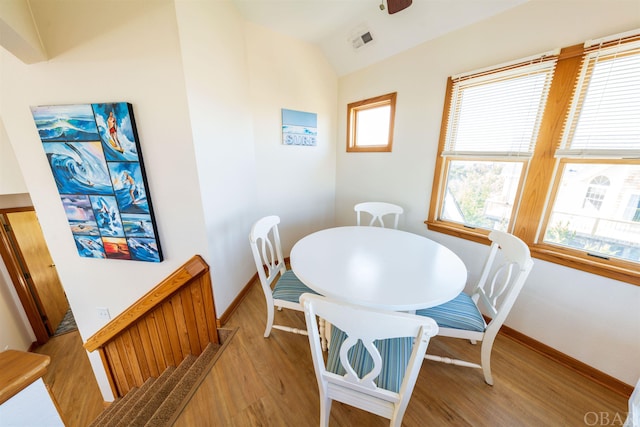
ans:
x=369 y=149
x=475 y=235
x=630 y=274
x=613 y=271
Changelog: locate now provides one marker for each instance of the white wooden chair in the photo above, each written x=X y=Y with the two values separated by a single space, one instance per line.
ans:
x=267 y=254
x=496 y=292
x=372 y=362
x=377 y=210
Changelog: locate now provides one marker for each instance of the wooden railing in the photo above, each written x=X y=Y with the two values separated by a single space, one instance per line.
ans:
x=173 y=320
x=22 y=389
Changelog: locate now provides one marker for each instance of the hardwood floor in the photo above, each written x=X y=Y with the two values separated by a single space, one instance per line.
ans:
x=71 y=380
x=271 y=382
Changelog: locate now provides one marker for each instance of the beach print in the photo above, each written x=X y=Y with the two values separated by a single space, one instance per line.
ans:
x=299 y=128
x=94 y=154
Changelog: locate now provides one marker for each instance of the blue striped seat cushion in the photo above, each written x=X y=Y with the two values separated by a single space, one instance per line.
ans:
x=289 y=288
x=459 y=313
x=395 y=353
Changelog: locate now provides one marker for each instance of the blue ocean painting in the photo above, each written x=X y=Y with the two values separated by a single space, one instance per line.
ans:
x=129 y=187
x=94 y=155
x=65 y=123
x=89 y=246
x=78 y=167
x=107 y=215
x=137 y=225
x=116 y=131
x=80 y=215
x=142 y=249
x=299 y=128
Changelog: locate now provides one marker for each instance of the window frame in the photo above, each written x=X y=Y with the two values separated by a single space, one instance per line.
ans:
x=524 y=161
x=352 y=122
x=541 y=182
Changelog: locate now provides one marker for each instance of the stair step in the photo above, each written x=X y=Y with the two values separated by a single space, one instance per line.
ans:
x=111 y=412
x=158 y=397
x=158 y=402
x=177 y=399
x=132 y=410
x=125 y=406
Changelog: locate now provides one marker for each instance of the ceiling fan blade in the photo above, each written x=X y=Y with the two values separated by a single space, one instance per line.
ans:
x=394 y=6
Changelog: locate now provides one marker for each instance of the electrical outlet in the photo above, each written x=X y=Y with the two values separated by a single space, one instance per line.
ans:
x=103 y=313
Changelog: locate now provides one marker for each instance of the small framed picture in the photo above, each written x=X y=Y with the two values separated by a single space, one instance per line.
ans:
x=299 y=128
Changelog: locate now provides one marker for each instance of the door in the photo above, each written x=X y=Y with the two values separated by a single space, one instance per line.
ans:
x=40 y=278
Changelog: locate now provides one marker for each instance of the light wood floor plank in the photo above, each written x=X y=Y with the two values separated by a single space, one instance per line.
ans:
x=71 y=380
x=270 y=382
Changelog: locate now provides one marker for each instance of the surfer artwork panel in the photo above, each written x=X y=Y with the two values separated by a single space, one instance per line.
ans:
x=94 y=154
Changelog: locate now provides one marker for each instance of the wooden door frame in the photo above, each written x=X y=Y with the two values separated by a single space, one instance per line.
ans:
x=20 y=284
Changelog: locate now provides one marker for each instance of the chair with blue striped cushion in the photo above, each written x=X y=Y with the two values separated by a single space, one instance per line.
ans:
x=459 y=313
x=500 y=283
x=395 y=357
x=267 y=254
x=374 y=356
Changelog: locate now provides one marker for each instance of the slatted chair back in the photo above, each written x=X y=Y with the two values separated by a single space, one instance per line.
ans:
x=267 y=251
x=504 y=273
x=501 y=283
x=264 y=239
x=375 y=363
x=378 y=210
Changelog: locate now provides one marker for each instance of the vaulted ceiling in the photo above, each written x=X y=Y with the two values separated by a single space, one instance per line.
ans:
x=334 y=24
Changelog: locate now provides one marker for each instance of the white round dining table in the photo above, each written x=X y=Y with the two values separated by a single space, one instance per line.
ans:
x=378 y=267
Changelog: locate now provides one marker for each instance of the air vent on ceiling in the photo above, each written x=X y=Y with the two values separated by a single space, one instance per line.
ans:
x=360 y=38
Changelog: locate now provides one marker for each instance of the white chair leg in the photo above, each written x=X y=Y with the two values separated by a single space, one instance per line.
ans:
x=485 y=360
x=267 y=330
x=397 y=416
x=325 y=411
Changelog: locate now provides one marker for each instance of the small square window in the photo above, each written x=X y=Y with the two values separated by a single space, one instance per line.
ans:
x=370 y=124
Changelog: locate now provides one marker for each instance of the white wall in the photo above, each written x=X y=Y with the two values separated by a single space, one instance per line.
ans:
x=295 y=182
x=591 y=318
x=11 y=180
x=216 y=77
x=208 y=118
x=107 y=52
x=32 y=406
x=238 y=77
